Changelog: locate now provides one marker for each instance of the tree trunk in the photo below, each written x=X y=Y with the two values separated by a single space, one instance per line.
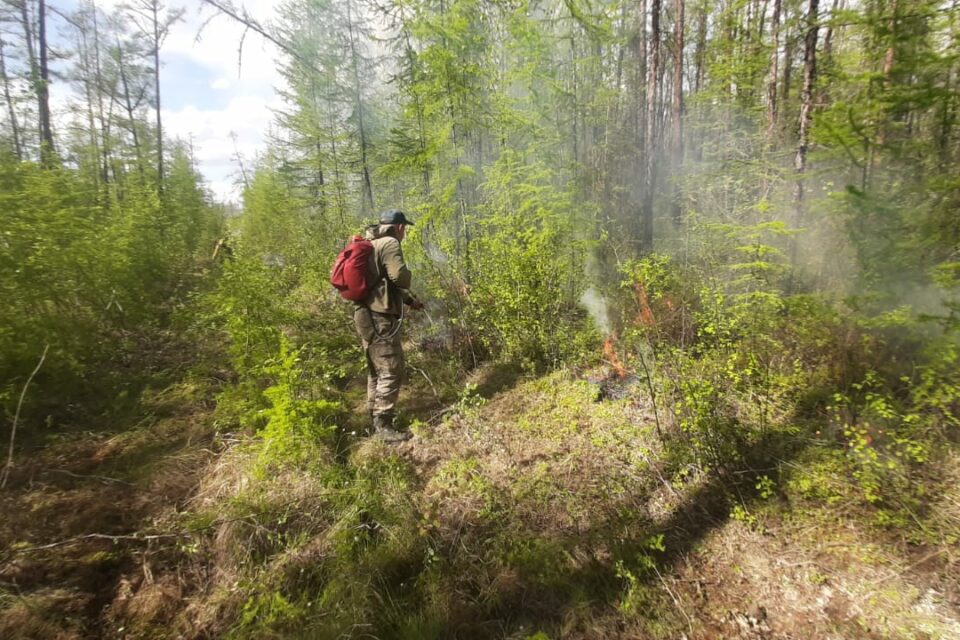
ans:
x=806 y=117
x=888 y=60
x=11 y=111
x=154 y=7
x=29 y=45
x=575 y=134
x=104 y=121
x=826 y=55
x=47 y=149
x=337 y=175
x=678 y=83
x=367 y=205
x=128 y=105
x=418 y=106
x=699 y=55
x=828 y=37
x=699 y=61
x=650 y=165
x=774 y=74
x=88 y=90
x=789 y=45
x=677 y=132
x=642 y=84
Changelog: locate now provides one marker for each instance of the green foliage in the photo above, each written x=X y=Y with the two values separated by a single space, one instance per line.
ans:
x=294 y=424
x=276 y=225
x=529 y=256
x=248 y=304
x=81 y=270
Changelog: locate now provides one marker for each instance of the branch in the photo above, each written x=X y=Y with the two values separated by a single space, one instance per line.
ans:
x=104 y=479
x=243 y=38
x=16 y=418
x=250 y=23
x=104 y=536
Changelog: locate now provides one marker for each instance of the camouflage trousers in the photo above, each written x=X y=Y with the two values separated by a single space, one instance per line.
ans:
x=380 y=336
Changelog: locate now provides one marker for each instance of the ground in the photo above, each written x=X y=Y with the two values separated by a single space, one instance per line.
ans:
x=542 y=505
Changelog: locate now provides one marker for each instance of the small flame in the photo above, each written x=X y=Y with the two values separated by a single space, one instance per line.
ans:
x=645 y=315
x=610 y=353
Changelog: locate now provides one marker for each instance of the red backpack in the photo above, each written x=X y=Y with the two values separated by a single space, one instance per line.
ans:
x=349 y=272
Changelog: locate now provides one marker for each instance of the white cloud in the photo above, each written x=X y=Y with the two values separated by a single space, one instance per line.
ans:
x=203 y=51
x=247 y=77
x=213 y=41
x=218 y=135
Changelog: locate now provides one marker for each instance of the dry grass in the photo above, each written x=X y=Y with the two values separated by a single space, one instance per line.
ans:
x=532 y=511
x=125 y=483
x=48 y=614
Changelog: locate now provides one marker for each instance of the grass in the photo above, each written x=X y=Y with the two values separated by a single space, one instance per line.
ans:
x=531 y=509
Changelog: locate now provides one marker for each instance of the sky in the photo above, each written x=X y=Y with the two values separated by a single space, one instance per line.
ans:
x=208 y=93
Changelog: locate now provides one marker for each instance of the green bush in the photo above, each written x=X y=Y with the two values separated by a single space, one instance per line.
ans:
x=528 y=257
x=91 y=272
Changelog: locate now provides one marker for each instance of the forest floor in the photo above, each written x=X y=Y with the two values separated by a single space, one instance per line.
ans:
x=547 y=499
x=86 y=509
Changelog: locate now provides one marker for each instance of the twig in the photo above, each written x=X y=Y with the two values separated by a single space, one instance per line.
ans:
x=440 y=414
x=243 y=17
x=429 y=381
x=900 y=574
x=653 y=396
x=104 y=536
x=105 y=479
x=676 y=600
x=16 y=419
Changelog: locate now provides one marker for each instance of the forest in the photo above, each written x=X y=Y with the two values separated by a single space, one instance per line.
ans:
x=688 y=365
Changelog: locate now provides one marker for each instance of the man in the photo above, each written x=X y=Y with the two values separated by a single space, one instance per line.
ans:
x=378 y=319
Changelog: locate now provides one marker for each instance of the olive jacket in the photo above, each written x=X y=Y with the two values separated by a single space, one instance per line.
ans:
x=388 y=269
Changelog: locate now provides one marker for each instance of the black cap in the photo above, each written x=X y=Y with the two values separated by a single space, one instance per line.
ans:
x=394 y=216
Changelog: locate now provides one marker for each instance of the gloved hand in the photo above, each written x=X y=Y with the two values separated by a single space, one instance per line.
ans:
x=416 y=305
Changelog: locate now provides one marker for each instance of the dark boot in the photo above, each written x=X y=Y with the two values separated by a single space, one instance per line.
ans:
x=383 y=429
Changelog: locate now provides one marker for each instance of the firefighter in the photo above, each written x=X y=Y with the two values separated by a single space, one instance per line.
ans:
x=379 y=319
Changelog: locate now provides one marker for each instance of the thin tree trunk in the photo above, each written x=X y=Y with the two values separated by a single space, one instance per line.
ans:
x=104 y=122
x=88 y=91
x=11 y=111
x=128 y=104
x=806 y=117
x=320 y=192
x=650 y=172
x=948 y=107
x=699 y=56
x=321 y=187
x=774 y=73
x=678 y=83
x=29 y=45
x=641 y=125
x=642 y=80
x=154 y=6
x=788 y=52
x=337 y=177
x=828 y=37
x=576 y=89
x=699 y=61
x=43 y=88
x=761 y=23
x=677 y=107
x=368 y=205
x=418 y=104
x=948 y=116
x=826 y=55
x=888 y=61
x=891 y=54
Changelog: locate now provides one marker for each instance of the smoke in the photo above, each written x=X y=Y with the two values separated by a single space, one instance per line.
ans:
x=596 y=306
